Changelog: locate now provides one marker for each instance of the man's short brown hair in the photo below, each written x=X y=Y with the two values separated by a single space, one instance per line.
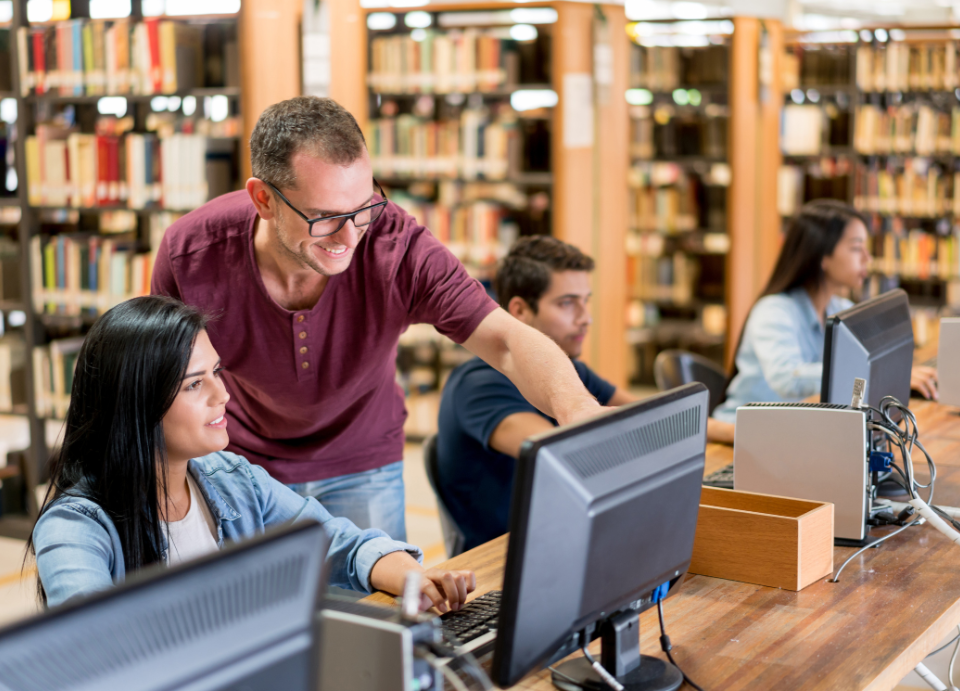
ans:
x=528 y=268
x=319 y=126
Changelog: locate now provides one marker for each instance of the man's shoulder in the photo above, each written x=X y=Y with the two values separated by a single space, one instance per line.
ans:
x=583 y=369
x=476 y=372
x=225 y=218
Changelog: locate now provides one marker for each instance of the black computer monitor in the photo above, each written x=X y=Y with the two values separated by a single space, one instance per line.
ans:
x=872 y=341
x=242 y=618
x=603 y=513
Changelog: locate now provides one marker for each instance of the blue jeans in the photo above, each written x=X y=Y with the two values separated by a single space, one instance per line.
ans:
x=371 y=499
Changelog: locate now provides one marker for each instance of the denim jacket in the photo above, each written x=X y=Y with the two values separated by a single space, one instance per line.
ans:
x=78 y=547
x=781 y=354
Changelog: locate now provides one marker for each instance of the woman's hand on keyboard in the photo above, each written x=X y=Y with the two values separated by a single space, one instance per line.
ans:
x=446 y=590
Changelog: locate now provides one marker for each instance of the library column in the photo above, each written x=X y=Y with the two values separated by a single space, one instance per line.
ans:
x=755 y=102
x=348 y=58
x=269 y=60
x=589 y=146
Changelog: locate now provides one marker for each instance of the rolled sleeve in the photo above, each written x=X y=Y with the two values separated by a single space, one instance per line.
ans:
x=351 y=552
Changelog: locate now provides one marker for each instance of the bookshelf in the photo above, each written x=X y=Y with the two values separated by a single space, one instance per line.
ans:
x=698 y=246
x=519 y=135
x=882 y=132
x=120 y=126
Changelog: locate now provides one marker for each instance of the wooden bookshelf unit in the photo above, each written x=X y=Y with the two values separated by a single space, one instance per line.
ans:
x=486 y=135
x=879 y=128
x=98 y=182
x=699 y=245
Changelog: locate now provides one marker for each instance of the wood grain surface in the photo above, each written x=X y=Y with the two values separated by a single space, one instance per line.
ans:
x=758 y=538
x=891 y=607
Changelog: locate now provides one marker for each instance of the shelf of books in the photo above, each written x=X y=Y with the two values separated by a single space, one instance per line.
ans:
x=459 y=132
x=679 y=176
x=874 y=119
x=117 y=128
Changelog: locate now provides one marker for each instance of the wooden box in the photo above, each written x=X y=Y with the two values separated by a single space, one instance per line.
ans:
x=763 y=539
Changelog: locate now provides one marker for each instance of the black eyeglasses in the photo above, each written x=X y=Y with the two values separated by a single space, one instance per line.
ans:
x=325 y=226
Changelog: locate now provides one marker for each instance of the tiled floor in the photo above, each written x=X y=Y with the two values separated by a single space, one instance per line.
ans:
x=18 y=595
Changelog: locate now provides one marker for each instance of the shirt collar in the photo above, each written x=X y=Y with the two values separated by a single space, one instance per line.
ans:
x=218 y=505
x=802 y=297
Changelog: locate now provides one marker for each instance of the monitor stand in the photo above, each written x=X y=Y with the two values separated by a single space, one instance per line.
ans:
x=620 y=655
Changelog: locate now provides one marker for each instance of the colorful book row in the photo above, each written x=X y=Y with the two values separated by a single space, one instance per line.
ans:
x=75 y=274
x=907 y=129
x=473 y=147
x=451 y=62
x=899 y=66
x=98 y=57
x=478 y=233
x=69 y=169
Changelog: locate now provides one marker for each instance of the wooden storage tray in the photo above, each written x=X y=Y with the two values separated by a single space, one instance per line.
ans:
x=763 y=539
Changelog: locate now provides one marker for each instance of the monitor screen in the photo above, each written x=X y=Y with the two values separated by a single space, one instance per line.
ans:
x=603 y=512
x=872 y=341
x=241 y=618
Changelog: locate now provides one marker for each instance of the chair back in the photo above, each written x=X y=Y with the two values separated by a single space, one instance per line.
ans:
x=674 y=368
x=453 y=538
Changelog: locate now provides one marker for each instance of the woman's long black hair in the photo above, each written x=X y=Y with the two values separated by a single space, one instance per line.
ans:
x=813 y=235
x=128 y=373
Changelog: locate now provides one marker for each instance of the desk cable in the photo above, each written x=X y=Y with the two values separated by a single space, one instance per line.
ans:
x=667 y=647
x=906 y=439
x=953 y=659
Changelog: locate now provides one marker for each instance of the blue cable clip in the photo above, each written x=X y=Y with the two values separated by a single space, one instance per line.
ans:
x=660 y=592
x=880 y=461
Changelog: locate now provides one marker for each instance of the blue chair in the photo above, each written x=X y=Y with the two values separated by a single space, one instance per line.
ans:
x=453 y=538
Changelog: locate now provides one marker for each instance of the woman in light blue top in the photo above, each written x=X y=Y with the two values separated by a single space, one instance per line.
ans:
x=142 y=477
x=780 y=355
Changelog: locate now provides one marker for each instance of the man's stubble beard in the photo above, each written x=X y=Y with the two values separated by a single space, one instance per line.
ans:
x=303 y=258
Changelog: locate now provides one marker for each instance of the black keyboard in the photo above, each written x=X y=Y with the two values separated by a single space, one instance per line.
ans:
x=477 y=618
x=722 y=478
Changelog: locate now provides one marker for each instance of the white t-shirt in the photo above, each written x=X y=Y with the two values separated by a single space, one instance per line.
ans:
x=193 y=535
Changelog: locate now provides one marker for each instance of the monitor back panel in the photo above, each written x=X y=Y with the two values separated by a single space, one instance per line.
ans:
x=605 y=514
x=948 y=361
x=806 y=452
x=221 y=623
x=872 y=341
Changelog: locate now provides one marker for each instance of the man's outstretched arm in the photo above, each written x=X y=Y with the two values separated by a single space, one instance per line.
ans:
x=536 y=365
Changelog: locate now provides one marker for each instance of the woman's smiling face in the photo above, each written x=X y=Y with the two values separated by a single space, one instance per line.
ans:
x=196 y=423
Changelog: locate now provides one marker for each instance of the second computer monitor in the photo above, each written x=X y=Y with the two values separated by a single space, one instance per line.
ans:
x=603 y=512
x=872 y=341
x=241 y=619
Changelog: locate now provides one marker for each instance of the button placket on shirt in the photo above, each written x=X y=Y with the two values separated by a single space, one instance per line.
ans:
x=301 y=349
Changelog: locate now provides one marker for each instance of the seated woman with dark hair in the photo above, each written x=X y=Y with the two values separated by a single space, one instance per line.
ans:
x=824 y=256
x=141 y=477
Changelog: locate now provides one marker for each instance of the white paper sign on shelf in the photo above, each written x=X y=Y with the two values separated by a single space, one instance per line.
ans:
x=577 y=110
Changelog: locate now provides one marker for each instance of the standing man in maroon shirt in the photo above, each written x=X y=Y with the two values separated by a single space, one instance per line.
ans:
x=314 y=276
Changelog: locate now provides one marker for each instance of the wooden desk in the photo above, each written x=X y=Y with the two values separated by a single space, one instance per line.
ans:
x=891 y=608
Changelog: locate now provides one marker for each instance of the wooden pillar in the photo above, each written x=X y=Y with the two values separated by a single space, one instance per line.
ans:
x=771 y=107
x=756 y=98
x=741 y=197
x=609 y=339
x=269 y=60
x=589 y=154
x=572 y=160
x=348 y=57
x=589 y=173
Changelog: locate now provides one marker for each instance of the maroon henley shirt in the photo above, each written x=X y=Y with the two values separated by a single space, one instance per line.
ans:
x=314 y=392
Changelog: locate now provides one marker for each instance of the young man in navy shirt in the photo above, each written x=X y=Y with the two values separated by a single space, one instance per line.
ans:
x=545 y=284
